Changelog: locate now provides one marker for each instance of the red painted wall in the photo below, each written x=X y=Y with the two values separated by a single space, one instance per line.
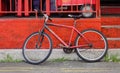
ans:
x=13 y=31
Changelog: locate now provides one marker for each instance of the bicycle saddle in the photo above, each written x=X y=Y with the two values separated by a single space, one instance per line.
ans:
x=75 y=16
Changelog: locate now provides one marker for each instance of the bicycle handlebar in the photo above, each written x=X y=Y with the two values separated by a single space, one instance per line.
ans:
x=45 y=15
x=48 y=18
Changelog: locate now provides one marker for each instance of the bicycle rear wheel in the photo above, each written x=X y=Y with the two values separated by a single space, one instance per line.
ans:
x=96 y=50
x=37 y=48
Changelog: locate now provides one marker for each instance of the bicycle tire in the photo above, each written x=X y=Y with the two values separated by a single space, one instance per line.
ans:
x=35 y=52
x=99 y=46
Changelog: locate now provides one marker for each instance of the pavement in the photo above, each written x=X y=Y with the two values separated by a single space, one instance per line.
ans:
x=61 y=67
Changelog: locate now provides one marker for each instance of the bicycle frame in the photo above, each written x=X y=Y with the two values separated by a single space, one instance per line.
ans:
x=71 y=35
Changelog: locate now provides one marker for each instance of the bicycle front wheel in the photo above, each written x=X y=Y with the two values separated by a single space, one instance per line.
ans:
x=97 y=48
x=37 y=48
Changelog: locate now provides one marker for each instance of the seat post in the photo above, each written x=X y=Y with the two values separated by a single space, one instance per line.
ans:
x=75 y=22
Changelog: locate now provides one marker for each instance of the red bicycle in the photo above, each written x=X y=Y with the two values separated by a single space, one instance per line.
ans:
x=90 y=45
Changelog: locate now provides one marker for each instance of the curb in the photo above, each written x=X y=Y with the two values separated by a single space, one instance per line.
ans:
x=56 y=53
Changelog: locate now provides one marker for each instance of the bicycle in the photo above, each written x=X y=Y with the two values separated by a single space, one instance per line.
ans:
x=38 y=46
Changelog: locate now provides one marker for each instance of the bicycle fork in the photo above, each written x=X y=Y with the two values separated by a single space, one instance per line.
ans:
x=40 y=39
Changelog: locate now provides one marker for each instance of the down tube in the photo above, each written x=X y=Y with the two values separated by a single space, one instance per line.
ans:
x=56 y=36
x=82 y=35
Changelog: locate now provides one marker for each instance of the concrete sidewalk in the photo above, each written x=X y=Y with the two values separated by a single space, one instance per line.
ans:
x=56 y=53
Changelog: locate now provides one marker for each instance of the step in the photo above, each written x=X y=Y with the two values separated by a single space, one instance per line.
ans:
x=110 y=20
x=113 y=35
x=110 y=9
x=111 y=31
x=114 y=42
